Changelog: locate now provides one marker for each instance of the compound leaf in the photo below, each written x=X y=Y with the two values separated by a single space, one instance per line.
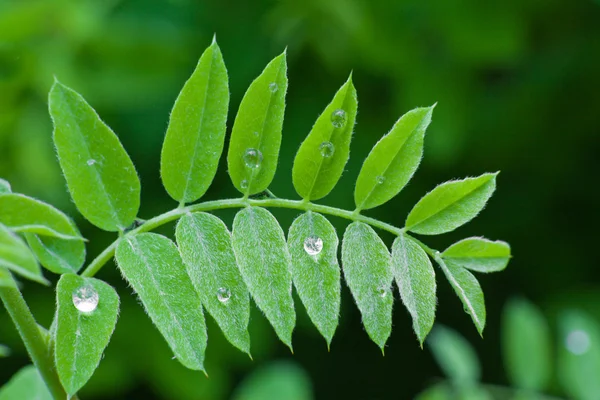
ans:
x=205 y=246
x=152 y=265
x=324 y=153
x=100 y=175
x=256 y=134
x=479 y=254
x=451 y=205
x=196 y=132
x=393 y=160
x=366 y=263
x=24 y=385
x=16 y=256
x=455 y=356
x=87 y=311
x=313 y=245
x=4 y=186
x=264 y=261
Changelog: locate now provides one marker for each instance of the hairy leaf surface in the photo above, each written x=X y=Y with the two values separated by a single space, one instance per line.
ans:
x=455 y=355
x=196 y=132
x=16 y=256
x=27 y=384
x=6 y=279
x=57 y=255
x=479 y=254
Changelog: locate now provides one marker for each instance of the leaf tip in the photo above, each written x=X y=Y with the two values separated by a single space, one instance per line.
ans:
x=214 y=39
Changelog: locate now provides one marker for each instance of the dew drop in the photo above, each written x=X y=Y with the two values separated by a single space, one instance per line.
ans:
x=223 y=294
x=578 y=342
x=313 y=245
x=338 y=118
x=382 y=292
x=253 y=158
x=85 y=299
x=273 y=87
x=380 y=179
x=327 y=149
x=91 y=162
x=244 y=184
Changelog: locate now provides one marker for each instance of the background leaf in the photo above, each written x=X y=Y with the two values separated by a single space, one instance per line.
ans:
x=4 y=186
x=320 y=161
x=393 y=160
x=479 y=254
x=256 y=134
x=16 y=256
x=100 y=175
x=313 y=245
x=451 y=205
x=415 y=278
x=205 y=246
x=196 y=132
x=264 y=261
x=366 y=263
x=455 y=356
x=152 y=265
x=87 y=311
x=4 y=351
x=281 y=380
x=27 y=384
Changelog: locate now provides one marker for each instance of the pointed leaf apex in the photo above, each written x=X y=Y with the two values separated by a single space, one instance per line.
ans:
x=350 y=76
x=214 y=39
x=285 y=51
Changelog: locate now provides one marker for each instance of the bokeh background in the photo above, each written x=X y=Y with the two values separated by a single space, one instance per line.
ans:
x=518 y=89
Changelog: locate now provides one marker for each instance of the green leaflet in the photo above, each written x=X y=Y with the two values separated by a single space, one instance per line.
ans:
x=313 y=245
x=87 y=311
x=196 y=132
x=6 y=279
x=415 y=278
x=16 y=256
x=4 y=351
x=479 y=254
x=4 y=186
x=100 y=175
x=264 y=261
x=467 y=288
x=281 y=380
x=455 y=355
x=27 y=384
x=324 y=153
x=393 y=160
x=367 y=269
x=205 y=246
x=526 y=345
x=451 y=205
x=152 y=265
x=57 y=255
x=256 y=134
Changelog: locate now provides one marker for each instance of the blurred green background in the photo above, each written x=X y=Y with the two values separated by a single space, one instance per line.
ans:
x=518 y=89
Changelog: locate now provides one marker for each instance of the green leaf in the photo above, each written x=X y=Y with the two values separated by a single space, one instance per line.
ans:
x=313 y=245
x=467 y=289
x=455 y=356
x=16 y=256
x=479 y=254
x=367 y=269
x=4 y=351
x=87 y=311
x=415 y=278
x=152 y=265
x=205 y=247
x=324 y=153
x=196 y=132
x=4 y=186
x=451 y=205
x=57 y=255
x=393 y=160
x=27 y=384
x=281 y=380
x=264 y=261
x=440 y=391
x=100 y=175
x=256 y=134
x=6 y=279
x=526 y=346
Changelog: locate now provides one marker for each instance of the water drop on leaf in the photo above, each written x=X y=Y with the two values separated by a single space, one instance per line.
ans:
x=244 y=183
x=273 y=87
x=85 y=299
x=223 y=294
x=313 y=245
x=327 y=149
x=253 y=158
x=91 y=162
x=380 y=179
x=338 y=118
x=578 y=342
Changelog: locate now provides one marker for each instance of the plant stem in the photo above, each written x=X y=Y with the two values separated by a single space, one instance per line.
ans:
x=33 y=338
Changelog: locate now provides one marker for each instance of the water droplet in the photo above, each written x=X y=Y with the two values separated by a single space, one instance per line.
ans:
x=327 y=149
x=255 y=133
x=313 y=245
x=244 y=184
x=578 y=342
x=380 y=179
x=91 y=162
x=85 y=299
x=382 y=292
x=338 y=118
x=253 y=158
x=223 y=294
x=273 y=87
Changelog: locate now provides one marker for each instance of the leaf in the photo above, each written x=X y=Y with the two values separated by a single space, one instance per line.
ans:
x=322 y=156
x=4 y=186
x=4 y=351
x=196 y=132
x=27 y=384
x=87 y=311
x=153 y=267
x=6 y=279
x=57 y=255
x=526 y=346
x=205 y=247
x=281 y=380
x=393 y=160
x=264 y=261
x=455 y=356
x=313 y=245
x=415 y=278
x=479 y=254
x=366 y=263
x=467 y=289
x=100 y=175
x=256 y=134
x=16 y=256
x=451 y=205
